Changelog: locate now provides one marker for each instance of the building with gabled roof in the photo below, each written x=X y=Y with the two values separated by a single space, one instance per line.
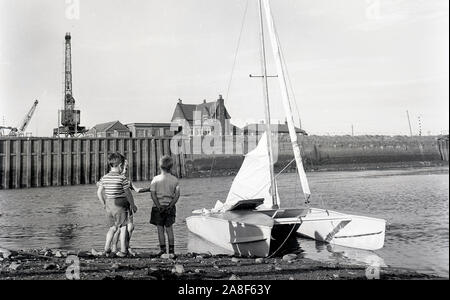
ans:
x=110 y=129
x=199 y=118
x=145 y=130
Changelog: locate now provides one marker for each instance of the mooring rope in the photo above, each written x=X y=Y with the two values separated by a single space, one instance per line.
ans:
x=284 y=242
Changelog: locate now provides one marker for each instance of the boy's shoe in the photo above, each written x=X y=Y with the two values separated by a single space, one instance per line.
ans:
x=131 y=252
x=163 y=250
x=107 y=253
x=121 y=254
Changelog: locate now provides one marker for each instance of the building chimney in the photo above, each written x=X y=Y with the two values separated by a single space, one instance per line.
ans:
x=220 y=97
x=180 y=101
x=204 y=101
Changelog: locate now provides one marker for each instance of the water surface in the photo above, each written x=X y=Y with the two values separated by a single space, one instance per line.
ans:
x=414 y=202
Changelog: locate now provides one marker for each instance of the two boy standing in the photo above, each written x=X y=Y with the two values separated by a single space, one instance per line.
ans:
x=115 y=195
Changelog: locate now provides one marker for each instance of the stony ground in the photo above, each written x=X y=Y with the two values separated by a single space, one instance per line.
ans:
x=54 y=264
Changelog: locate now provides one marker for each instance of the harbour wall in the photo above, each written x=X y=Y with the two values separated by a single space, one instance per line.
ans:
x=330 y=152
x=43 y=162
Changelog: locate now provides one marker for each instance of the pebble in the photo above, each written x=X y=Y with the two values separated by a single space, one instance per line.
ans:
x=58 y=254
x=95 y=252
x=289 y=257
x=235 y=260
x=167 y=256
x=278 y=268
x=14 y=266
x=259 y=260
x=234 y=277
x=5 y=253
x=199 y=257
x=335 y=275
x=115 y=267
x=291 y=278
x=50 y=266
x=178 y=269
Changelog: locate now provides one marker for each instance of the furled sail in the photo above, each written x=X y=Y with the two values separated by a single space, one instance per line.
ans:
x=253 y=180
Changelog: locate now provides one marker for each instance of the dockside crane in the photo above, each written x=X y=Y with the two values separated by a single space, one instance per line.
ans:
x=20 y=131
x=69 y=117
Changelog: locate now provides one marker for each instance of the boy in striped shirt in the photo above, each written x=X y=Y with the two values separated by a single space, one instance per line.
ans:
x=115 y=195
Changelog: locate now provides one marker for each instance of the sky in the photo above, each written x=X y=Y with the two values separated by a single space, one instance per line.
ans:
x=360 y=63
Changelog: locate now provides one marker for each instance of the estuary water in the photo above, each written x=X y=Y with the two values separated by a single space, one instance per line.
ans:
x=415 y=202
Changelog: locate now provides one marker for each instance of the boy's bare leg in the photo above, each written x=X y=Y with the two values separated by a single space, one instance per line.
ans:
x=162 y=240
x=115 y=240
x=171 y=238
x=123 y=239
x=109 y=236
x=130 y=229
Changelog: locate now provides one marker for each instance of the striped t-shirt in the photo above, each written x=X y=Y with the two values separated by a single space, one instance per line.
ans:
x=114 y=185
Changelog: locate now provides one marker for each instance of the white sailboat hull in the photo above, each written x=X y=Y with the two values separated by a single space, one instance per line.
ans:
x=343 y=229
x=253 y=241
x=244 y=233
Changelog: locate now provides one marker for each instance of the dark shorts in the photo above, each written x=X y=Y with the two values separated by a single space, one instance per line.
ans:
x=164 y=218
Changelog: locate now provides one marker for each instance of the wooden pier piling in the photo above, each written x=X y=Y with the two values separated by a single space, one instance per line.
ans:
x=43 y=162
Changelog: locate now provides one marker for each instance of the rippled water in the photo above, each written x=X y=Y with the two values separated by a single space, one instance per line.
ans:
x=414 y=202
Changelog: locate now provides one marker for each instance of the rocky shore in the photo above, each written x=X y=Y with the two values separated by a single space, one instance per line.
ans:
x=60 y=265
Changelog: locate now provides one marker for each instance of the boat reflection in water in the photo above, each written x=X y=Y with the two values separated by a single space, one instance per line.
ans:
x=324 y=252
x=197 y=244
x=304 y=247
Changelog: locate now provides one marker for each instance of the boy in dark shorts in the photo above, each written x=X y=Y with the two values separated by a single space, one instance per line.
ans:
x=115 y=195
x=165 y=192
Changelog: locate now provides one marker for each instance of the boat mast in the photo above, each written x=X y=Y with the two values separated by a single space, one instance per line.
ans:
x=285 y=97
x=273 y=189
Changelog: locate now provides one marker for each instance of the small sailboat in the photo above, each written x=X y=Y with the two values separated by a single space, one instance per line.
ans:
x=250 y=222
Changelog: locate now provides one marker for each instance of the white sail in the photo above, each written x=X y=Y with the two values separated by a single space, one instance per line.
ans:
x=253 y=180
x=286 y=102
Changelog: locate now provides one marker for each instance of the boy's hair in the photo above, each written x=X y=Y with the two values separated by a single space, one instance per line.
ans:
x=166 y=163
x=115 y=160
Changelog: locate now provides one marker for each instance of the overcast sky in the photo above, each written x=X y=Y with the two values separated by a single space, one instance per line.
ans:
x=350 y=61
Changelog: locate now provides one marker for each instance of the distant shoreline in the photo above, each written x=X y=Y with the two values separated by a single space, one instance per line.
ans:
x=339 y=168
